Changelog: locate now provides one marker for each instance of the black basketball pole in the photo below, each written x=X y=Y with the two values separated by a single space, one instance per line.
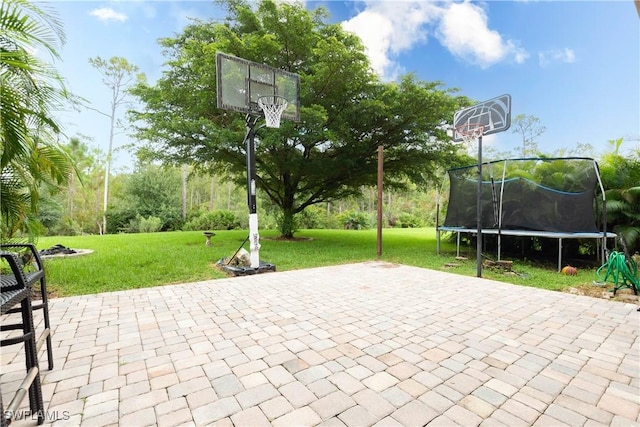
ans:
x=479 y=211
x=251 y=165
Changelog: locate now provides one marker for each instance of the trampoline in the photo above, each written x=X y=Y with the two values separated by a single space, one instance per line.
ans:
x=528 y=197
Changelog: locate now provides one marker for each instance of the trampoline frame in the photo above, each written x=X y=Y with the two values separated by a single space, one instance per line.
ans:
x=601 y=238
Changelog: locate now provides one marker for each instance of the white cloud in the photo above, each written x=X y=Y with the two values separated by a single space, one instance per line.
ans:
x=390 y=28
x=464 y=31
x=375 y=32
x=108 y=14
x=565 y=55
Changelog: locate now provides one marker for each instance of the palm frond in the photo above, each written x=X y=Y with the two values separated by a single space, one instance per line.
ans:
x=630 y=234
x=30 y=90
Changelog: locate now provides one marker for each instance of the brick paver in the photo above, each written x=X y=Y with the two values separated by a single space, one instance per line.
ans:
x=351 y=345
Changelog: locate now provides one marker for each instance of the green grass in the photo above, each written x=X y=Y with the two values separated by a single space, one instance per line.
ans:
x=128 y=261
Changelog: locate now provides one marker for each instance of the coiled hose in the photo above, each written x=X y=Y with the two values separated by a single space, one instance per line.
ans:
x=621 y=272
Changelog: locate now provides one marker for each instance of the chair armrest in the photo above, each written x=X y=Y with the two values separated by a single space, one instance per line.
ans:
x=15 y=280
x=34 y=254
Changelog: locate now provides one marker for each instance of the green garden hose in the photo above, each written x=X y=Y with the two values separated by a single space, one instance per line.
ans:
x=622 y=273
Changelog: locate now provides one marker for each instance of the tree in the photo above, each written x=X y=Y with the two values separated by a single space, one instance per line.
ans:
x=529 y=128
x=151 y=191
x=346 y=111
x=30 y=91
x=621 y=177
x=117 y=75
x=79 y=210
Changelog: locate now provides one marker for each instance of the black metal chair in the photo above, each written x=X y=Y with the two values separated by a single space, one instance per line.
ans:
x=33 y=269
x=16 y=290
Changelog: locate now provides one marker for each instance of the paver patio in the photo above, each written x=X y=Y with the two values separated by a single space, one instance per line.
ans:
x=356 y=345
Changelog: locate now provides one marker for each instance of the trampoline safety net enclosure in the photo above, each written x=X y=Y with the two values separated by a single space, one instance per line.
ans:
x=537 y=196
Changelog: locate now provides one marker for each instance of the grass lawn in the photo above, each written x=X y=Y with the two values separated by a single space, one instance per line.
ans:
x=128 y=261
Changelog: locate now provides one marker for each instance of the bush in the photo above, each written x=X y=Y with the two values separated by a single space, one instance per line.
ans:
x=312 y=217
x=170 y=218
x=119 y=220
x=331 y=222
x=351 y=220
x=65 y=227
x=407 y=220
x=213 y=220
x=140 y=224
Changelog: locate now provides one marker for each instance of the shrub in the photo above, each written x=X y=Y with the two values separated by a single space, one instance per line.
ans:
x=351 y=220
x=119 y=220
x=213 y=220
x=312 y=217
x=407 y=220
x=140 y=224
x=150 y=224
x=65 y=227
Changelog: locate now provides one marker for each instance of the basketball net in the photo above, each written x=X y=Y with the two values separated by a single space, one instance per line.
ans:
x=273 y=106
x=470 y=132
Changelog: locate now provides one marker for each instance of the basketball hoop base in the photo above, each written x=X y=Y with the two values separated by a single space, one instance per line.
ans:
x=264 y=267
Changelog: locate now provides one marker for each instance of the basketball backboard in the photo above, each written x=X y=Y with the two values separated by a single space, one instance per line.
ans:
x=493 y=115
x=241 y=82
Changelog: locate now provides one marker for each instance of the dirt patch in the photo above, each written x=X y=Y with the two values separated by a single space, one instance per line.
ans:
x=604 y=292
x=36 y=295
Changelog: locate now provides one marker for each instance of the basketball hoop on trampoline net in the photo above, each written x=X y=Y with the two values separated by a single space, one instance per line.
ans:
x=273 y=106
x=469 y=132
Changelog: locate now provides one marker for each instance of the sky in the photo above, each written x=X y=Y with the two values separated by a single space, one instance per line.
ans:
x=574 y=65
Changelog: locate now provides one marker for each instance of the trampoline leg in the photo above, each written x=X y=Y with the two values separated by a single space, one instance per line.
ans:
x=559 y=255
x=458 y=244
x=437 y=241
x=499 y=241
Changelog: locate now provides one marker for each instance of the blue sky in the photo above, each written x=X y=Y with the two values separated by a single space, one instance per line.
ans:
x=575 y=65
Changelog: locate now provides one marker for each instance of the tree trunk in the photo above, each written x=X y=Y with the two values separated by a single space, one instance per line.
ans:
x=212 y=192
x=72 y=194
x=287 y=226
x=105 y=201
x=185 y=174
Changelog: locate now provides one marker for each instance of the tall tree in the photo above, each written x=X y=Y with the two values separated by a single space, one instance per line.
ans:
x=529 y=128
x=82 y=214
x=117 y=75
x=346 y=111
x=30 y=92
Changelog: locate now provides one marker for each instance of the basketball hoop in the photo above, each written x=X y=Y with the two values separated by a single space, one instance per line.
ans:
x=469 y=132
x=272 y=106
